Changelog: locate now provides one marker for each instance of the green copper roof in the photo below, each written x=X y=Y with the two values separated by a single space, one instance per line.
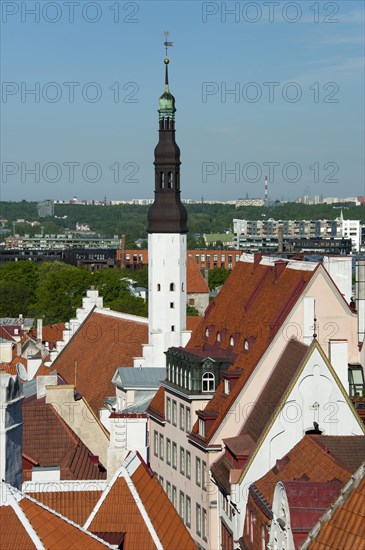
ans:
x=166 y=107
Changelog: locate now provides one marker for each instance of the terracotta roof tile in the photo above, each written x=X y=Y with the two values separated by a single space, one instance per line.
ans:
x=234 y=313
x=192 y=322
x=49 y=441
x=157 y=406
x=55 y=532
x=195 y=281
x=12 y=533
x=345 y=526
x=103 y=343
x=74 y=505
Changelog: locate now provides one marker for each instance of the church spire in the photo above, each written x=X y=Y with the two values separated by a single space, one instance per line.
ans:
x=167 y=214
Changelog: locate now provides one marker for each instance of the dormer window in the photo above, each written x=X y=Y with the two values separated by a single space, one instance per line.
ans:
x=207 y=332
x=208 y=382
x=201 y=427
x=218 y=336
x=246 y=345
x=231 y=341
x=227 y=386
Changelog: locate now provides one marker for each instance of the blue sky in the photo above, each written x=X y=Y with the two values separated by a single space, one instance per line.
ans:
x=100 y=144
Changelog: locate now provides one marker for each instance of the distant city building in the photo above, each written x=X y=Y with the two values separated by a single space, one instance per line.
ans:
x=62 y=241
x=249 y=202
x=317 y=199
x=45 y=208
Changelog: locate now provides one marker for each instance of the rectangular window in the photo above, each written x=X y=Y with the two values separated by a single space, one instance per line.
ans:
x=204 y=476
x=168 y=409
x=168 y=451
x=201 y=427
x=174 y=456
x=191 y=301
x=182 y=505
x=182 y=417
x=174 y=413
x=160 y=478
x=161 y=446
x=187 y=420
x=188 y=512
x=168 y=489
x=172 y=305
x=155 y=443
x=198 y=520
x=204 y=524
x=173 y=500
x=198 y=471
x=182 y=460
x=188 y=465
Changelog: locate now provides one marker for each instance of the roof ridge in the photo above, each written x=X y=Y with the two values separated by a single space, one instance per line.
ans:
x=45 y=507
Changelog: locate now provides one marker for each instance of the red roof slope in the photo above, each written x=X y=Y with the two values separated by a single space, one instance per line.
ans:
x=49 y=441
x=195 y=281
x=12 y=533
x=248 y=312
x=74 y=505
x=103 y=343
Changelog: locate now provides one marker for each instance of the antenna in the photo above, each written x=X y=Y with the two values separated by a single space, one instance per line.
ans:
x=166 y=43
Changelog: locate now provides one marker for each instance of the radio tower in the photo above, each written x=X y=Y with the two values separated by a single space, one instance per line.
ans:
x=266 y=194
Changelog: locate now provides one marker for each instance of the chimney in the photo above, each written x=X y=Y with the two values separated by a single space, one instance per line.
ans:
x=256 y=259
x=360 y=298
x=39 y=330
x=280 y=266
x=338 y=356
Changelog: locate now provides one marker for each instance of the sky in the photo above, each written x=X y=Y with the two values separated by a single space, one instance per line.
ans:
x=262 y=88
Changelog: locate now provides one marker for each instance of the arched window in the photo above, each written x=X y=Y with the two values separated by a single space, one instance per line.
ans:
x=247 y=346
x=158 y=287
x=207 y=332
x=189 y=380
x=169 y=372
x=185 y=379
x=173 y=374
x=231 y=341
x=172 y=287
x=218 y=336
x=162 y=180
x=169 y=180
x=208 y=380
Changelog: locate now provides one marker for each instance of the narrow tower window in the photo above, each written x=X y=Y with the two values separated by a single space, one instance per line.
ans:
x=162 y=180
x=172 y=287
x=170 y=180
x=158 y=287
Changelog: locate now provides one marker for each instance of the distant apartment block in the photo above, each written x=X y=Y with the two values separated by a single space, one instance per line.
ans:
x=323 y=229
x=45 y=208
x=249 y=202
x=62 y=241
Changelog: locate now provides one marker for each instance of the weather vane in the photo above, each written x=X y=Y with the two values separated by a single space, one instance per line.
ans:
x=167 y=44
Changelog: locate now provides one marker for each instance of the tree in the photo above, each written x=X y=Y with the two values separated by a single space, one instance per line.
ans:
x=130 y=304
x=15 y=298
x=217 y=276
x=191 y=311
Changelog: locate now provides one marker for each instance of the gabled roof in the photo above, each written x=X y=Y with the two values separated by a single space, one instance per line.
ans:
x=135 y=504
x=311 y=459
x=343 y=525
x=247 y=313
x=5 y=335
x=195 y=281
x=50 y=442
x=105 y=341
x=27 y=524
x=50 y=333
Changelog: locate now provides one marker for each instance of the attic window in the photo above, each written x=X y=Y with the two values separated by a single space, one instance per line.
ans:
x=226 y=386
x=207 y=332
x=208 y=380
x=201 y=427
x=218 y=336
x=246 y=346
x=231 y=341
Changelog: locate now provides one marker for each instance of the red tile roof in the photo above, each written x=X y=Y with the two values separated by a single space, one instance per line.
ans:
x=134 y=496
x=49 y=441
x=5 y=334
x=12 y=533
x=157 y=406
x=195 y=281
x=103 y=343
x=251 y=307
x=50 y=333
x=74 y=505
x=343 y=526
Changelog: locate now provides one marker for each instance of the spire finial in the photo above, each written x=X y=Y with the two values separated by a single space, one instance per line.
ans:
x=167 y=45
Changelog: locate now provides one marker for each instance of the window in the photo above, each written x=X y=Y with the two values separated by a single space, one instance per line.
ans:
x=201 y=427
x=174 y=456
x=188 y=416
x=168 y=407
x=188 y=512
x=173 y=496
x=158 y=287
x=246 y=345
x=188 y=465
x=182 y=505
x=231 y=341
x=198 y=471
x=168 y=489
x=162 y=180
x=161 y=446
x=191 y=301
x=182 y=460
x=204 y=476
x=160 y=478
x=208 y=382
x=218 y=336
x=182 y=417
x=172 y=305
x=172 y=328
x=155 y=443
x=168 y=452
x=198 y=520
x=169 y=181
x=172 y=287
x=204 y=524
x=226 y=387
x=174 y=413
